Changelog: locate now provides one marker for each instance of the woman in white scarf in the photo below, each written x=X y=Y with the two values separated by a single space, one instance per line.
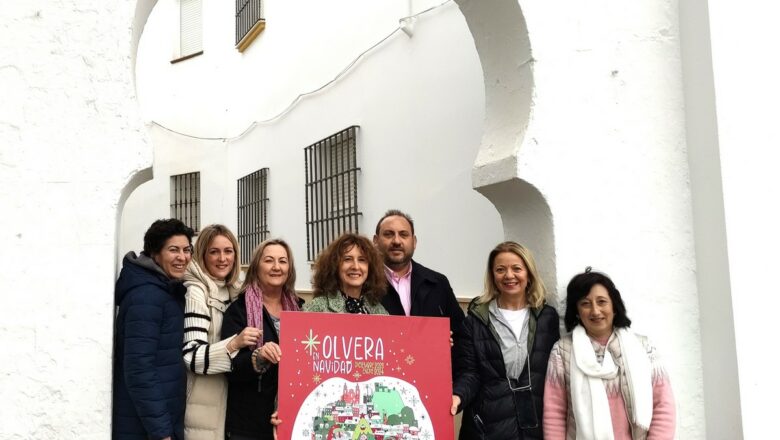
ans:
x=604 y=382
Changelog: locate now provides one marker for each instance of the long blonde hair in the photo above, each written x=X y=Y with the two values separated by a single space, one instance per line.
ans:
x=203 y=242
x=253 y=274
x=535 y=291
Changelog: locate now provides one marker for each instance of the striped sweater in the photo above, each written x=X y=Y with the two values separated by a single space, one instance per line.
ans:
x=205 y=355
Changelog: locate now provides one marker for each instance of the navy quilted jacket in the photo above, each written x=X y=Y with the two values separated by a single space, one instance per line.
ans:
x=149 y=377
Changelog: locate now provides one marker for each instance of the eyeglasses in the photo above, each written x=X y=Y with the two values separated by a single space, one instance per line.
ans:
x=524 y=400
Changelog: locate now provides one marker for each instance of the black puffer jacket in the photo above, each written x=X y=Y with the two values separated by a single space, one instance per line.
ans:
x=490 y=410
x=251 y=396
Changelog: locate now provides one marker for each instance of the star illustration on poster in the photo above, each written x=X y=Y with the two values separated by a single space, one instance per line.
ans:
x=361 y=377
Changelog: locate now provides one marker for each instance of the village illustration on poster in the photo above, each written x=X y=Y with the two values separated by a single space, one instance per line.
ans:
x=360 y=377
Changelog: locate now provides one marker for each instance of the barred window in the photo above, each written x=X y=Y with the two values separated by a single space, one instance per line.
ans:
x=185 y=199
x=331 y=189
x=249 y=22
x=252 y=212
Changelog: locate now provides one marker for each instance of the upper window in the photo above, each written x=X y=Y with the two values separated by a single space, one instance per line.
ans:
x=252 y=212
x=190 y=29
x=250 y=22
x=185 y=199
x=331 y=189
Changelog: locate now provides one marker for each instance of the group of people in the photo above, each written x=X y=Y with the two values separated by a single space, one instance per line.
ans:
x=197 y=351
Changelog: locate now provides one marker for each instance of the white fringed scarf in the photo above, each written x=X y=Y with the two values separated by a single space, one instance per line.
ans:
x=588 y=393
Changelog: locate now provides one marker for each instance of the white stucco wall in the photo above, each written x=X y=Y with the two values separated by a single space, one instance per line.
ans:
x=70 y=139
x=604 y=146
x=419 y=103
x=746 y=94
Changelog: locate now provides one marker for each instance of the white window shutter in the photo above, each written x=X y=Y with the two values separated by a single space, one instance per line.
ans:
x=191 y=38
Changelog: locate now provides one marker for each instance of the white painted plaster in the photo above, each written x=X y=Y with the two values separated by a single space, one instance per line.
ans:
x=605 y=148
x=744 y=39
x=721 y=382
x=71 y=140
x=596 y=125
x=415 y=99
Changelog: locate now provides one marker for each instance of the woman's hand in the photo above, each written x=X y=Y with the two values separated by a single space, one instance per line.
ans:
x=455 y=404
x=275 y=422
x=271 y=352
x=247 y=338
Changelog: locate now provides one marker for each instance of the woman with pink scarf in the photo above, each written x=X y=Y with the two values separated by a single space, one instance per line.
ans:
x=269 y=288
x=604 y=382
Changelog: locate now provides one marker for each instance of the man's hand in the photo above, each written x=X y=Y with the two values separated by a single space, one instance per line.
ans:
x=455 y=405
x=275 y=421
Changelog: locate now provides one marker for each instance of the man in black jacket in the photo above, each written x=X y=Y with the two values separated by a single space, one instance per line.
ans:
x=413 y=289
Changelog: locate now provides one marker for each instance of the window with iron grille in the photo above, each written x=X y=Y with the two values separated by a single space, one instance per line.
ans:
x=249 y=22
x=185 y=199
x=252 y=212
x=331 y=189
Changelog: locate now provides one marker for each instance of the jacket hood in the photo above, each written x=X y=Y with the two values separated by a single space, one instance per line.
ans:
x=482 y=310
x=138 y=270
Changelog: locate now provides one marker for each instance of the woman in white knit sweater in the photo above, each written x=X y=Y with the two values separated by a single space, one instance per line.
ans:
x=211 y=281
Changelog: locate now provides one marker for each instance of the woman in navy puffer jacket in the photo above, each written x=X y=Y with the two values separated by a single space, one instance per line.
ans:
x=149 y=377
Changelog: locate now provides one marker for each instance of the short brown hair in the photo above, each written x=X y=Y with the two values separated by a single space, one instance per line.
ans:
x=326 y=269
x=203 y=242
x=395 y=213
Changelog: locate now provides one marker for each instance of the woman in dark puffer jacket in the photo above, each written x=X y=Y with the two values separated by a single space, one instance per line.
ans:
x=508 y=335
x=149 y=378
x=269 y=289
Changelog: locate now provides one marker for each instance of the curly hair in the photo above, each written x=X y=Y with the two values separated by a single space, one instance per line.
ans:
x=206 y=236
x=161 y=230
x=535 y=291
x=326 y=280
x=253 y=274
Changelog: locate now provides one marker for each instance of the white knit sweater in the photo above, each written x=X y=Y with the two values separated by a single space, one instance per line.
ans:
x=205 y=355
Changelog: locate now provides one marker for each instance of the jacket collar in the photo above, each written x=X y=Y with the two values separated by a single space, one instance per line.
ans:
x=336 y=303
x=419 y=276
x=481 y=311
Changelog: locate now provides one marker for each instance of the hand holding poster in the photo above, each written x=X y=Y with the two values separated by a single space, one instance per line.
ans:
x=364 y=377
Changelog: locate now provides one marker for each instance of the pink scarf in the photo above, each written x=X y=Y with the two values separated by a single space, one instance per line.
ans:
x=254 y=307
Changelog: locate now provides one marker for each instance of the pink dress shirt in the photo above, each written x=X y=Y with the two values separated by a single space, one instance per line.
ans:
x=403 y=285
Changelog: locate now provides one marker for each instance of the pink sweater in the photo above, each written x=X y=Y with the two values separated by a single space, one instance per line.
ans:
x=558 y=421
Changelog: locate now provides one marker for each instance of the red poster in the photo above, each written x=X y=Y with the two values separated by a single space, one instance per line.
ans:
x=364 y=377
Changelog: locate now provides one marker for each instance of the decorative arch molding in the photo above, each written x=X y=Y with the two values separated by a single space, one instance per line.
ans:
x=527 y=219
x=504 y=48
x=501 y=38
x=143 y=8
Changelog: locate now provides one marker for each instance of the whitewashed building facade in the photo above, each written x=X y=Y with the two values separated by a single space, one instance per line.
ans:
x=636 y=137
